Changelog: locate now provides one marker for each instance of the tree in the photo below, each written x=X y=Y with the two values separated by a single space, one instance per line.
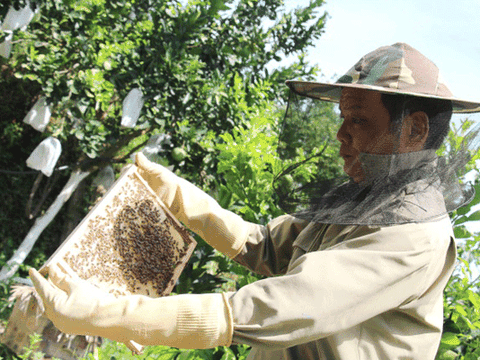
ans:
x=188 y=61
x=86 y=56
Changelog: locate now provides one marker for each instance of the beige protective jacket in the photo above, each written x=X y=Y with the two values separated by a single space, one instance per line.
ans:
x=342 y=292
x=346 y=292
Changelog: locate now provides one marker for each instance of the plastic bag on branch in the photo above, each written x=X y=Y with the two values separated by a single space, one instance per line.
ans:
x=39 y=116
x=155 y=146
x=105 y=177
x=132 y=106
x=6 y=45
x=17 y=19
x=45 y=156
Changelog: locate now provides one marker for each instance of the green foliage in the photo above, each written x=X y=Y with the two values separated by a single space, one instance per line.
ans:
x=202 y=68
x=308 y=125
x=111 y=350
x=461 y=336
x=31 y=353
x=5 y=310
x=308 y=150
x=462 y=300
x=248 y=163
x=85 y=56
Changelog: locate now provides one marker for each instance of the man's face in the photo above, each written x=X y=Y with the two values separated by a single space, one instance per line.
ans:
x=365 y=129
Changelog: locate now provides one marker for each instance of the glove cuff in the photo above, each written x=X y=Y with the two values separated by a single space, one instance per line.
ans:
x=187 y=321
x=204 y=321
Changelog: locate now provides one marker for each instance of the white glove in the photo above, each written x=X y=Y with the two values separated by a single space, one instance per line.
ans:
x=184 y=321
x=222 y=229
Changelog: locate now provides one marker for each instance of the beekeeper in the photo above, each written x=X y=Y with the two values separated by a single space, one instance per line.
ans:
x=361 y=270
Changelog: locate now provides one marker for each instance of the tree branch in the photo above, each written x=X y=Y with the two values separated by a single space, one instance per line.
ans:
x=40 y=224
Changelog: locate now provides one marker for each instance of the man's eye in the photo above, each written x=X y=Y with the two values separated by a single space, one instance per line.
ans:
x=358 y=121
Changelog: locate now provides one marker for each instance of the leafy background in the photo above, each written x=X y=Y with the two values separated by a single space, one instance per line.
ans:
x=209 y=75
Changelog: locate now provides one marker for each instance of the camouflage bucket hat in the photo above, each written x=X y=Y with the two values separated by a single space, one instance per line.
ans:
x=396 y=69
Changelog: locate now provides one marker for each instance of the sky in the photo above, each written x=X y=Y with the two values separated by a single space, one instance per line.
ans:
x=445 y=31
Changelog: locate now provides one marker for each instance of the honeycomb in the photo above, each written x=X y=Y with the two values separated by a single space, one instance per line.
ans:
x=129 y=243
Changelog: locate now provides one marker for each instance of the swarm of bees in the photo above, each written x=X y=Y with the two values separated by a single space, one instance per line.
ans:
x=129 y=243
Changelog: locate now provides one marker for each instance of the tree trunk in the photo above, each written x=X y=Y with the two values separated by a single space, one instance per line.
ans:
x=40 y=224
x=74 y=215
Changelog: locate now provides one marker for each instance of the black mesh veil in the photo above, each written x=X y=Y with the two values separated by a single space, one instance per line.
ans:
x=397 y=188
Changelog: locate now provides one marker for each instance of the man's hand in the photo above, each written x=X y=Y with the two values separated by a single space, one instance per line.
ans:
x=185 y=321
x=70 y=302
x=158 y=177
x=198 y=211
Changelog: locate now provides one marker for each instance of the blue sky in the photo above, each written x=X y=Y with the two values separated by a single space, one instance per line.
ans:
x=447 y=32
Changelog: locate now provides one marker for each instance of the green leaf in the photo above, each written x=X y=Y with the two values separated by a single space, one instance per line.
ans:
x=451 y=339
x=474 y=216
x=460 y=310
x=461 y=232
x=228 y=355
x=448 y=355
x=474 y=299
x=186 y=355
x=463 y=210
x=168 y=355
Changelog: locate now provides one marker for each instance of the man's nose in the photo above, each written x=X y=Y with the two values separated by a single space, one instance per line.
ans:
x=343 y=135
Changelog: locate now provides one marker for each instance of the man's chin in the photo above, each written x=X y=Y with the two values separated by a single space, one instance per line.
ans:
x=354 y=172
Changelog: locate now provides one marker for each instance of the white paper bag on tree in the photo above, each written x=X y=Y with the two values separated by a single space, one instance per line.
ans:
x=45 y=156
x=6 y=45
x=39 y=115
x=17 y=19
x=132 y=105
x=105 y=177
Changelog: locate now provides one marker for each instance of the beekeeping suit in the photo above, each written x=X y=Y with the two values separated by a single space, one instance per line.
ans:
x=358 y=273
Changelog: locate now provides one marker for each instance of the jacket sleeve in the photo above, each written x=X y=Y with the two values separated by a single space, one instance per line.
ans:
x=268 y=249
x=328 y=291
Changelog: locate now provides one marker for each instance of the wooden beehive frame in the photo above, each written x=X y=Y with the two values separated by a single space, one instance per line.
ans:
x=129 y=243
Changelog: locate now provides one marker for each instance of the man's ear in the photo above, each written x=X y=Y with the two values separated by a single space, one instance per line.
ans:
x=417 y=130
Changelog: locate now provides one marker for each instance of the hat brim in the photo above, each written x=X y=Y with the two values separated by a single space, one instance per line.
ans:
x=332 y=92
